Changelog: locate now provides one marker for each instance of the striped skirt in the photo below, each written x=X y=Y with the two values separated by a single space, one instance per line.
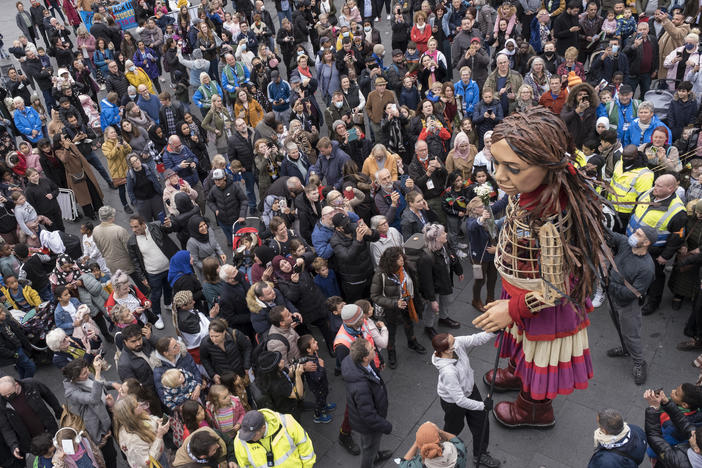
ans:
x=551 y=351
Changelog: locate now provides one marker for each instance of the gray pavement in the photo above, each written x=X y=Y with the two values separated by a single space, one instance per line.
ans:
x=412 y=386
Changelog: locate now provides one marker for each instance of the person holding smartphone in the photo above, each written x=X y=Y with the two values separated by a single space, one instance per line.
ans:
x=139 y=434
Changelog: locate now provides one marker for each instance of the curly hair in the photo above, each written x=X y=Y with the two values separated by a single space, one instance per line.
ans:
x=388 y=260
x=541 y=138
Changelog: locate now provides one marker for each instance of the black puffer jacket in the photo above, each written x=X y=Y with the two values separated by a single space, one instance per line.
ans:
x=232 y=305
x=366 y=398
x=305 y=294
x=241 y=149
x=117 y=83
x=236 y=356
x=230 y=202
x=179 y=223
x=435 y=275
x=307 y=217
x=668 y=456
x=353 y=258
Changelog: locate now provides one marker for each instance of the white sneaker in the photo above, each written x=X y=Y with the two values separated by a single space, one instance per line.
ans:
x=162 y=79
x=462 y=246
x=599 y=298
x=389 y=17
x=461 y=254
x=159 y=323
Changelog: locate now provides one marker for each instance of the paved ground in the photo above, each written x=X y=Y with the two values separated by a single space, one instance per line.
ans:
x=412 y=386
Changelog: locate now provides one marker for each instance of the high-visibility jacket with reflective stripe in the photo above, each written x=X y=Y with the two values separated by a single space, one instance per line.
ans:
x=344 y=338
x=628 y=185
x=290 y=445
x=655 y=216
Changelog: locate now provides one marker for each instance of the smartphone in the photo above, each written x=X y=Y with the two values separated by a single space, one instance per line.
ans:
x=164 y=419
x=658 y=391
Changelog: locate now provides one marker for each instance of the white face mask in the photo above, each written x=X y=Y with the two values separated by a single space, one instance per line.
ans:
x=367 y=29
x=132 y=68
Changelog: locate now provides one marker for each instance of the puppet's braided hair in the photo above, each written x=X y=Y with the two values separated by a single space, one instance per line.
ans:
x=541 y=138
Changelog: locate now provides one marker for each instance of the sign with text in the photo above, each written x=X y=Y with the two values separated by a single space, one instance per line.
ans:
x=123 y=14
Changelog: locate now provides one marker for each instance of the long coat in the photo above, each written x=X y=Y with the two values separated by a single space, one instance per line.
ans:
x=74 y=162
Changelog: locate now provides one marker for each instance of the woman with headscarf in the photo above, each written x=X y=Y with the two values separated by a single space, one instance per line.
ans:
x=509 y=50
x=202 y=243
x=182 y=278
x=434 y=448
x=294 y=280
x=461 y=157
x=82 y=285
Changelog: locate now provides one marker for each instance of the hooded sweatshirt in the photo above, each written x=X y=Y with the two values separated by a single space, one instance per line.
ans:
x=456 y=377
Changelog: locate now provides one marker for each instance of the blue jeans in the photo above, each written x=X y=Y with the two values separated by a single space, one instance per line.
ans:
x=48 y=99
x=228 y=230
x=25 y=366
x=159 y=285
x=250 y=193
x=94 y=161
x=45 y=293
x=284 y=14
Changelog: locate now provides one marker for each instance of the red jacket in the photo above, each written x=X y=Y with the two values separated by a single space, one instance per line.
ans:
x=555 y=105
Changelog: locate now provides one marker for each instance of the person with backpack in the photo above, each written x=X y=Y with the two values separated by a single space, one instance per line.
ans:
x=225 y=350
x=281 y=387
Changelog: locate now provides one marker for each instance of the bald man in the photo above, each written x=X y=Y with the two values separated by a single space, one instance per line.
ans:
x=35 y=410
x=660 y=208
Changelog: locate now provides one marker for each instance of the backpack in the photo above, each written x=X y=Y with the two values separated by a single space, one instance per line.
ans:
x=262 y=346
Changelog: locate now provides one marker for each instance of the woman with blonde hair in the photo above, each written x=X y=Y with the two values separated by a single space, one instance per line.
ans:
x=138 y=433
x=525 y=98
x=116 y=150
x=571 y=64
x=219 y=121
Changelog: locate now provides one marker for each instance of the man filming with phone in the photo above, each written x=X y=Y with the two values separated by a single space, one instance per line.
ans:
x=642 y=52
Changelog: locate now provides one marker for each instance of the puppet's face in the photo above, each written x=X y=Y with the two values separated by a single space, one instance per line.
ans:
x=513 y=174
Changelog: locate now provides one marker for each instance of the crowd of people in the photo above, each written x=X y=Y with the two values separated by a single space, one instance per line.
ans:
x=352 y=188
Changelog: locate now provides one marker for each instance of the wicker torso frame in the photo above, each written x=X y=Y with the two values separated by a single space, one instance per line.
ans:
x=530 y=252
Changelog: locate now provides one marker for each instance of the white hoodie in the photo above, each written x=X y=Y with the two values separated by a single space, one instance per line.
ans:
x=456 y=377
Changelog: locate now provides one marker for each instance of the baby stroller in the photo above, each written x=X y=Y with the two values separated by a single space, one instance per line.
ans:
x=660 y=97
x=245 y=239
x=36 y=324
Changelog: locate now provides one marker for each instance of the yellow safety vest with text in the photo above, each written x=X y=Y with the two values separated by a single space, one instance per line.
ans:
x=654 y=216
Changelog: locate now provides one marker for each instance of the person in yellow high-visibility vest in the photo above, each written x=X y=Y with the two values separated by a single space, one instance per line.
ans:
x=662 y=209
x=630 y=179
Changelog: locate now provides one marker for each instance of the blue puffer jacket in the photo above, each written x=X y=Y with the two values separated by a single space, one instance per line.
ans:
x=109 y=114
x=321 y=237
x=26 y=121
x=634 y=448
x=635 y=137
x=469 y=93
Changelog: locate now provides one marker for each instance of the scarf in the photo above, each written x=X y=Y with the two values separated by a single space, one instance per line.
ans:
x=305 y=71
x=405 y=282
x=276 y=267
x=611 y=441
x=179 y=266
x=194 y=231
x=460 y=139
x=447 y=459
x=425 y=163
x=61 y=277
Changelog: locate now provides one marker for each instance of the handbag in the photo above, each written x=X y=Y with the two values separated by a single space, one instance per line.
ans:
x=76 y=178
x=378 y=311
x=478 y=267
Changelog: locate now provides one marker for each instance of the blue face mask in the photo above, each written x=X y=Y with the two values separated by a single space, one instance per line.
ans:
x=615 y=49
x=633 y=241
x=689 y=46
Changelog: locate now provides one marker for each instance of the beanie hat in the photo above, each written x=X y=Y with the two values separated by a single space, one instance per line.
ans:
x=573 y=79
x=337 y=123
x=603 y=120
x=651 y=233
x=264 y=253
x=428 y=440
x=351 y=314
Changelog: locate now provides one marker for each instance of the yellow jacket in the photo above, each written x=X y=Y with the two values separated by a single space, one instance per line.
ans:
x=30 y=295
x=116 y=156
x=291 y=446
x=138 y=77
x=254 y=114
x=370 y=165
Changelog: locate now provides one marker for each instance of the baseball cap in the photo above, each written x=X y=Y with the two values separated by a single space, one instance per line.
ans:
x=218 y=174
x=252 y=422
x=476 y=39
x=396 y=52
x=340 y=220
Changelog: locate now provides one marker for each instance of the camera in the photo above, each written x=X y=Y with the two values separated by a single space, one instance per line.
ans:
x=304 y=360
x=297 y=268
